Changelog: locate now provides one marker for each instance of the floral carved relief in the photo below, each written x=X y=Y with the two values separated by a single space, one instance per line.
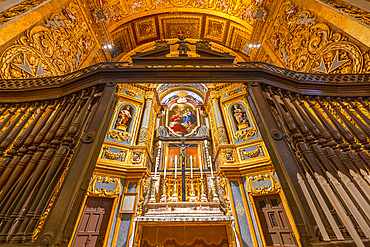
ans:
x=57 y=47
x=304 y=43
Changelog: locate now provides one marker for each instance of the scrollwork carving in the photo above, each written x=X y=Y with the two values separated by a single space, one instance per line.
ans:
x=119 y=136
x=56 y=48
x=273 y=187
x=102 y=191
x=304 y=43
x=246 y=134
x=252 y=154
x=112 y=155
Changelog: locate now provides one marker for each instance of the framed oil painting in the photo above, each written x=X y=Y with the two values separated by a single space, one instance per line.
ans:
x=182 y=119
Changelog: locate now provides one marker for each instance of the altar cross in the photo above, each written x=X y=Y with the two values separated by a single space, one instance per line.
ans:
x=183 y=147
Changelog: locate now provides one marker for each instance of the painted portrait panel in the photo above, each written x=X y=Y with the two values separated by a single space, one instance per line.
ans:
x=182 y=118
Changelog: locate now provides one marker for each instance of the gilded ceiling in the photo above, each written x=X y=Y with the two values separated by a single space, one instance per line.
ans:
x=46 y=38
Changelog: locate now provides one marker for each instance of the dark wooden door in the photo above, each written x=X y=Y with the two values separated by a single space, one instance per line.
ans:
x=93 y=223
x=274 y=221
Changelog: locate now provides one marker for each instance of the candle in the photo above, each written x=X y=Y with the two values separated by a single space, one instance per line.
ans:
x=210 y=164
x=165 y=165
x=201 y=170
x=175 y=166
x=191 y=166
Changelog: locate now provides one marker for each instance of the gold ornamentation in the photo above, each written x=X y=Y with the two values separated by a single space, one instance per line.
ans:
x=144 y=184
x=215 y=29
x=222 y=134
x=246 y=134
x=359 y=14
x=240 y=209
x=104 y=192
x=145 y=29
x=18 y=9
x=226 y=198
x=137 y=156
x=119 y=135
x=55 y=48
x=224 y=7
x=252 y=154
x=273 y=187
x=131 y=93
x=169 y=25
x=143 y=135
x=111 y=155
x=304 y=43
x=228 y=155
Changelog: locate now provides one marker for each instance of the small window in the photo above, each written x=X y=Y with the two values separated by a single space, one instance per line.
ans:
x=262 y=203
x=274 y=203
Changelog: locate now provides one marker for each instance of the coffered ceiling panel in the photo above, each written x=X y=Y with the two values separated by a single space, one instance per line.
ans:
x=170 y=24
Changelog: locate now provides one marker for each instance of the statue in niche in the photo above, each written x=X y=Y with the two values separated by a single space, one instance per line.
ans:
x=124 y=118
x=241 y=117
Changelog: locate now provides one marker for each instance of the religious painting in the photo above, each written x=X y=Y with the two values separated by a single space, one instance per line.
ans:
x=240 y=116
x=124 y=117
x=182 y=119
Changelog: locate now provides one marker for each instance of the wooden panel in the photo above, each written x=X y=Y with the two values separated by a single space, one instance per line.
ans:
x=274 y=221
x=93 y=223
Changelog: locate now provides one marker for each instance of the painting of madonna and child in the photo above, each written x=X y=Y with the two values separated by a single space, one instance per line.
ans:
x=182 y=118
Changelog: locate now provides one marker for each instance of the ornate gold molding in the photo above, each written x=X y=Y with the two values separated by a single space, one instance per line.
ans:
x=144 y=184
x=222 y=134
x=273 y=187
x=104 y=192
x=254 y=153
x=119 y=136
x=229 y=155
x=355 y=12
x=57 y=47
x=304 y=43
x=18 y=9
x=143 y=135
x=246 y=134
x=112 y=155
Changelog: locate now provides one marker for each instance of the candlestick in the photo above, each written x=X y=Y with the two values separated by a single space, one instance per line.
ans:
x=175 y=166
x=165 y=165
x=210 y=164
x=201 y=170
x=191 y=166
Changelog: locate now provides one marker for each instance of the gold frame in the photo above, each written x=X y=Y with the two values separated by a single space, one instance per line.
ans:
x=123 y=199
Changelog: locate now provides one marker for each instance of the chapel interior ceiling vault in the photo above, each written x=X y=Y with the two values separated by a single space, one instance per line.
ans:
x=323 y=36
x=196 y=26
